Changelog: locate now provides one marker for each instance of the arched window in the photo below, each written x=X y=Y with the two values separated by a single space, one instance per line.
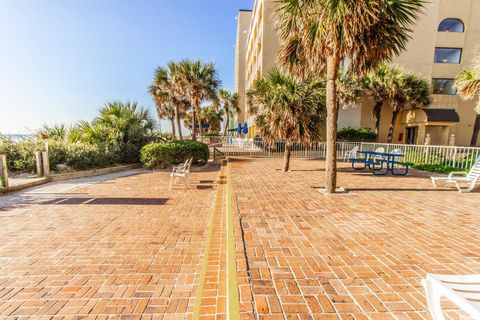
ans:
x=451 y=25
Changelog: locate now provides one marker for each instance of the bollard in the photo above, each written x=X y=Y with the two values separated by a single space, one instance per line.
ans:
x=38 y=161
x=4 y=170
x=46 y=164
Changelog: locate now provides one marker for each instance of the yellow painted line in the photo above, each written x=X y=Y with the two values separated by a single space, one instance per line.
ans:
x=232 y=285
x=203 y=271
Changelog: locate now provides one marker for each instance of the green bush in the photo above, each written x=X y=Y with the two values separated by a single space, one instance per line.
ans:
x=349 y=134
x=163 y=154
x=436 y=168
x=87 y=156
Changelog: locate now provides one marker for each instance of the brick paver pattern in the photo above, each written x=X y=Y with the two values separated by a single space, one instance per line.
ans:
x=126 y=247
x=357 y=256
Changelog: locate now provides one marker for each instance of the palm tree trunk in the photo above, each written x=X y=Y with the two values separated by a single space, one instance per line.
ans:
x=286 y=156
x=179 y=127
x=376 y=114
x=199 y=117
x=227 y=123
x=391 y=130
x=194 y=123
x=333 y=63
x=476 y=131
x=174 y=134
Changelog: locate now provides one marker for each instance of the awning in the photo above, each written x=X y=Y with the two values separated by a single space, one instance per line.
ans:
x=441 y=115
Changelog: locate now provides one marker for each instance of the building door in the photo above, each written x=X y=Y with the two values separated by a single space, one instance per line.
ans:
x=412 y=135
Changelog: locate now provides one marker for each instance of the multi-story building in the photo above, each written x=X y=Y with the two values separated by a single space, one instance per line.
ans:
x=443 y=43
x=257 y=39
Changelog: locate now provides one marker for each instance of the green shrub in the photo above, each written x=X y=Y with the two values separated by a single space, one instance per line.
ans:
x=436 y=168
x=163 y=154
x=349 y=134
x=88 y=156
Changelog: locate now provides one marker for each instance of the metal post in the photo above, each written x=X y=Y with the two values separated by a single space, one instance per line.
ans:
x=4 y=170
x=38 y=161
x=454 y=157
x=46 y=164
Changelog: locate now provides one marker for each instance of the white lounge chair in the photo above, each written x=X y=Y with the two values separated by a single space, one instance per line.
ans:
x=181 y=172
x=351 y=154
x=464 y=291
x=456 y=178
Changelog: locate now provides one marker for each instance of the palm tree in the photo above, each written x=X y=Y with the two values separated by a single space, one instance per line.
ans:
x=126 y=123
x=164 y=91
x=408 y=90
x=167 y=111
x=229 y=104
x=468 y=87
x=288 y=109
x=378 y=85
x=212 y=116
x=199 y=82
x=55 y=132
x=321 y=35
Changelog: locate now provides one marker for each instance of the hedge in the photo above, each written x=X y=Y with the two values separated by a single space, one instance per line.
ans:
x=350 y=134
x=164 y=154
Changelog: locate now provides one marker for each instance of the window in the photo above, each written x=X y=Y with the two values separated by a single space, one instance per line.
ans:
x=448 y=55
x=444 y=86
x=451 y=25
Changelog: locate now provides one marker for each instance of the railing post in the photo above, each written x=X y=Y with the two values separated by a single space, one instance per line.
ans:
x=4 y=170
x=38 y=162
x=454 y=162
x=214 y=154
x=46 y=164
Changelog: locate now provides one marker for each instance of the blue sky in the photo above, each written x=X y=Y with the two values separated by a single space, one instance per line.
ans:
x=60 y=60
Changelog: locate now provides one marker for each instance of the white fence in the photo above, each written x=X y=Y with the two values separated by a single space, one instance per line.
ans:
x=458 y=157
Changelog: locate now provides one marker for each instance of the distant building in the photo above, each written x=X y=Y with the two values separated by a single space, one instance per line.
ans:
x=443 y=43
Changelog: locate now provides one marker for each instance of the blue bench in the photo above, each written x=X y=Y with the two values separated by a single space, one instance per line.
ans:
x=366 y=163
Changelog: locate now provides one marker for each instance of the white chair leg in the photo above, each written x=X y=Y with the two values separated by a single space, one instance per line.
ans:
x=434 y=182
x=433 y=299
x=171 y=181
x=458 y=187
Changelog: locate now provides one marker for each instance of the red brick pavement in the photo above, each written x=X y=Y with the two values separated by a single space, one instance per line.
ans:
x=360 y=256
x=126 y=248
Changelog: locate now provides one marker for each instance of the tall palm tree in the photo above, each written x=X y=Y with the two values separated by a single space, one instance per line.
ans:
x=199 y=82
x=167 y=111
x=229 y=104
x=468 y=87
x=408 y=90
x=378 y=84
x=321 y=35
x=288 y=109
x=164 y=91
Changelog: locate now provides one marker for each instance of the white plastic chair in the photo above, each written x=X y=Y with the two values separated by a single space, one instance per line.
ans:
x=379 y=150
x=464 y=291
x=456 y=178
x=396 y=151
x=351 y=154
x=181 y=172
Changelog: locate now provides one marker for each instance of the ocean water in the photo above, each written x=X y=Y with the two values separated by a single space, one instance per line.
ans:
x=17 y=137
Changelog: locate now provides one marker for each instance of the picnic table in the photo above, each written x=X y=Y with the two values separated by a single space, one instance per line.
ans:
x=375 y=161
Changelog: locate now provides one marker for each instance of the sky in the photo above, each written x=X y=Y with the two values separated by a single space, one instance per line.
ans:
x=61 y=60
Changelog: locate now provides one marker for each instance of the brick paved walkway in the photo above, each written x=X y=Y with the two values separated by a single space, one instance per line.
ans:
x=127 y=246
x=130 y=248
x=360 y=256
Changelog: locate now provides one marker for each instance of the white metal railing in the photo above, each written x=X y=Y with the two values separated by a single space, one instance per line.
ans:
x=458 y=157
